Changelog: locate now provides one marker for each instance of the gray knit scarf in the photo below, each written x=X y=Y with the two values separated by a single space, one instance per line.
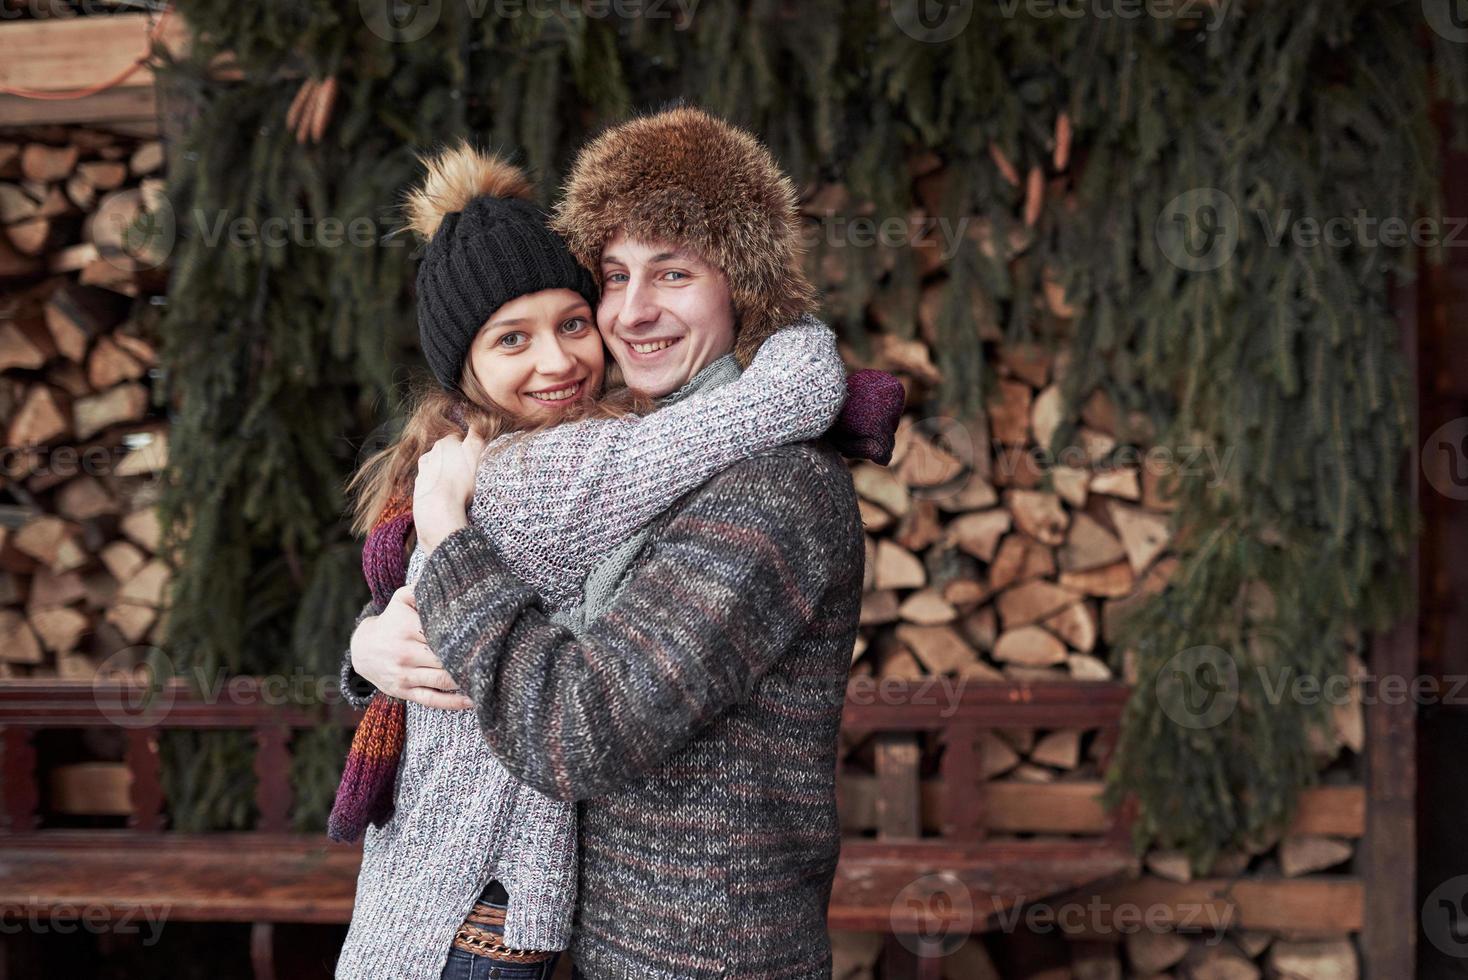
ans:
x=605 y=581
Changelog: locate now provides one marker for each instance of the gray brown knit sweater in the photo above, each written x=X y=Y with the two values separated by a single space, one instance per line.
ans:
x=696 y=720
x=554 y=503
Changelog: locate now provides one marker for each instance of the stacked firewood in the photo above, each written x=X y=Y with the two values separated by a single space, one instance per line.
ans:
x=1242 y=955
x=81 y=576
x=986 y=561
x=990 y=559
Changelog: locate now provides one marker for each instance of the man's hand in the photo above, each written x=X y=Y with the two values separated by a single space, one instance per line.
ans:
x=443 y=486
x=391 y=652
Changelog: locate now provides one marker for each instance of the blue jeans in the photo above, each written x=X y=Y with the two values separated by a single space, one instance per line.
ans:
x=464 y=965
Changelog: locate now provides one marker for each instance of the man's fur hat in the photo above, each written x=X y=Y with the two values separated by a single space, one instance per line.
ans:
x=690 y=179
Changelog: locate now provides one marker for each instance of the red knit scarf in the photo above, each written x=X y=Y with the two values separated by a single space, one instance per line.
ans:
x=369 y=777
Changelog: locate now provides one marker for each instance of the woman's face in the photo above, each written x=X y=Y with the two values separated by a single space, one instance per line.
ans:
x=539 y=354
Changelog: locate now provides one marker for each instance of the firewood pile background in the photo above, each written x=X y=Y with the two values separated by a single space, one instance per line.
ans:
x=81 y=576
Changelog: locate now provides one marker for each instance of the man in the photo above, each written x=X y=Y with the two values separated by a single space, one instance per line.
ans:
x=694 y=711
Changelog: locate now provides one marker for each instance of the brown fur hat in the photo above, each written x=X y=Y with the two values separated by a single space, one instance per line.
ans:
x=688 y=178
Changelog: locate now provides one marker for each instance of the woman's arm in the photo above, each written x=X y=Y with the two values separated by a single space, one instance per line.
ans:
x=555 y=501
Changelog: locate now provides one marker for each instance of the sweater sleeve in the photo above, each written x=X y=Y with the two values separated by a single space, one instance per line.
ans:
x=732 y=580
x=554 y=502
x=357 y=690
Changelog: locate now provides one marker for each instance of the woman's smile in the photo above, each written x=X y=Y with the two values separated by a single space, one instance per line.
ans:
x=564 y=392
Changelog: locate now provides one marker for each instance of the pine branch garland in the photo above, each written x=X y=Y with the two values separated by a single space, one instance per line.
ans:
x=1282 y=359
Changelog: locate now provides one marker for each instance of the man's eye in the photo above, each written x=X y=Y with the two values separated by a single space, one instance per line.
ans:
x=616 y=277
x=674 y=272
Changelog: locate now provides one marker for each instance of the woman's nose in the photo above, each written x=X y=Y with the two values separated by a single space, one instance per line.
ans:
x=554 y=359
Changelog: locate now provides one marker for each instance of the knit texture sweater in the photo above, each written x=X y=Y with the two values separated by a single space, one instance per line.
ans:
x=557 y=501
x=696 y=719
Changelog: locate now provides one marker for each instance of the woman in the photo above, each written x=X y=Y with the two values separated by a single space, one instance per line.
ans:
x=505 y=316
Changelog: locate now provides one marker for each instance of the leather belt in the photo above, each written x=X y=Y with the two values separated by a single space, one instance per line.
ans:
x=473 y=936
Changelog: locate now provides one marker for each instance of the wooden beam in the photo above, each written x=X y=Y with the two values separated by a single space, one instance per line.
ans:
x=60 y=55
x=1324 y=905
x=1388 y=856
x=125 y=104
x=77 y=52
x=1074 y=807
x=899 y=811
x=934 y=702
x=932 y=887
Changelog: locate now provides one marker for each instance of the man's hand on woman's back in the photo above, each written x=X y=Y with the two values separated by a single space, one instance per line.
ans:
x=390 y=651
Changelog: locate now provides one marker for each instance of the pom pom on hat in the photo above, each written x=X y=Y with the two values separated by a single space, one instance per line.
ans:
x=457 y=176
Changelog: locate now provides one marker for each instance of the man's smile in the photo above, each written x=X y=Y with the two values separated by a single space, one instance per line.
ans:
x=647 y=348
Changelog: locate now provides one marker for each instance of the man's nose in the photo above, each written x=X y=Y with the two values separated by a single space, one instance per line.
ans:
x=639 y=305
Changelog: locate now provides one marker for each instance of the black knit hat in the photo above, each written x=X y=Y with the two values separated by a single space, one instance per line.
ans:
x=487 y=244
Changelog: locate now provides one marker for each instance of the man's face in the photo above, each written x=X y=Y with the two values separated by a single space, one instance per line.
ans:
x=664 y=313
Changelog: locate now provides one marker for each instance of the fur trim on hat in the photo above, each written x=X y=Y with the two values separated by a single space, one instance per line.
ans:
x=455 y=177
x=688 y=178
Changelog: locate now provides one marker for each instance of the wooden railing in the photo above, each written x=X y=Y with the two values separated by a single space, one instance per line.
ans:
x=887 y=883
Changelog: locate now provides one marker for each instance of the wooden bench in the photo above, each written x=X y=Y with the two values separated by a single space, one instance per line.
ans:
x=897 y=882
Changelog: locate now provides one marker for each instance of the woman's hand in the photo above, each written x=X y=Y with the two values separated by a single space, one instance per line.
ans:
x=391 y=651
x=443 y=486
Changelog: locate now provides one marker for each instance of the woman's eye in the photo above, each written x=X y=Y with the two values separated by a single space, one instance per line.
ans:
x=512 y=340
x=574 y=325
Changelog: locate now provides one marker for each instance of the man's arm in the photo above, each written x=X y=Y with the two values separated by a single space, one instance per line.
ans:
x=735 y=577
x=357 y=690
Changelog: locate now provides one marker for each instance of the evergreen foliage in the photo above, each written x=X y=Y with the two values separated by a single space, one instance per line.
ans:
x=1282 y=359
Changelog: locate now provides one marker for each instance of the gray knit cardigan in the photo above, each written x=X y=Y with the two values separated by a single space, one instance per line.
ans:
x=558 y=502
